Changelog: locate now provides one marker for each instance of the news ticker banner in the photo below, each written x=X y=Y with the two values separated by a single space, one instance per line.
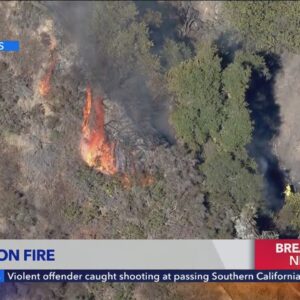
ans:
x=149 y=260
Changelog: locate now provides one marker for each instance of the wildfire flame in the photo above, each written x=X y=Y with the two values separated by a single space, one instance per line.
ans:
x=44 y=84
x=145 y=180
x=96 y=150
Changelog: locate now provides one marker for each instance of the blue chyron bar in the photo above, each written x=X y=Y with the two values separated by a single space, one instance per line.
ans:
x=2 y=276
x=174 y=276
x=9 y=46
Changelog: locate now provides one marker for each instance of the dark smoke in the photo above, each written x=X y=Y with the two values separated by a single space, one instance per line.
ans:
x=266 y=116
x=150 y=115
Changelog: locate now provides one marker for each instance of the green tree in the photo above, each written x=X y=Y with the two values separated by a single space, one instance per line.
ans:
x=290 y=213
x=123 y=42
x=174 y=53
x=210 y=101
x=232 y=179
x=211 y=114
x=236 y=130
x=267 y=25
x=152 y=18
x=196 y=84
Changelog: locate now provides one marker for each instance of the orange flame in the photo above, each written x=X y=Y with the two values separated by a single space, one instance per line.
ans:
x=147 y=180
x=97 y=151
x=144 y=180
x=95 y=148
x=44 y=84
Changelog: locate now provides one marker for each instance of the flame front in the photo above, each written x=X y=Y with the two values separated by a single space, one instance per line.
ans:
x=44 y=84
x=96 y=150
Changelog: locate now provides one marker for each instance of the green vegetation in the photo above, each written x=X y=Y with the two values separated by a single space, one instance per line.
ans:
x=210 y=113
x=196 y=84
x=123 y=41
x=230 y=179
x=267 y=25
x=290 y=213
x=210 y=101
x=152 y=18
x=174 y=53
x=237 y=126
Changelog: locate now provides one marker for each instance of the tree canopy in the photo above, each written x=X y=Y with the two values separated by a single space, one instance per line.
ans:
x=211 y=115
x=267 y=25
x=290 y=213
x=210 y=101
x=123 y=41
x=196 y=84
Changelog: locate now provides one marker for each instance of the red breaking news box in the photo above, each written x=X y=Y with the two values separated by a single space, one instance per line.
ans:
x=277 y=254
